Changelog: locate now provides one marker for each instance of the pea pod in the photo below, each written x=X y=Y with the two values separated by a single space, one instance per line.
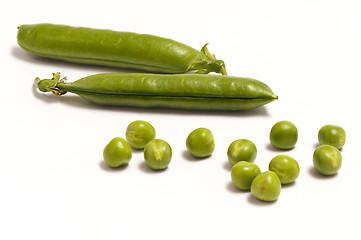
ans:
x=179 y=91
x=115 y=49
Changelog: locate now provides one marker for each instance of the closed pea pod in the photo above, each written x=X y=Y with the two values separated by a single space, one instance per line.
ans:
x=179 y=91
x=115 y=49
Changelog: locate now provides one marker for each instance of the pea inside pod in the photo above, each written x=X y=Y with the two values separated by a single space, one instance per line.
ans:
x=115 y=49
x=179 y=91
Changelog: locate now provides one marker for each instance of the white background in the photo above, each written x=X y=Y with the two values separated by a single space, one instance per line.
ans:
x=54 y=184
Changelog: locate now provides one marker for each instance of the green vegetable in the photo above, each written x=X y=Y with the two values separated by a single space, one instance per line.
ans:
x=327 y=160
x=117 y=152
x=157 y=154
x=332 y=135
x=241 y=150
x=243 y=173
x=182 y=91
x=115 y=49
x=139 y=133
x=200 y=142
x=266 y=186
x=286 y=168
x=284 y=135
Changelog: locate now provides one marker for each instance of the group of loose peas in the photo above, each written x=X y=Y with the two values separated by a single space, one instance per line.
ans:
x=241 y=153
x=157 y=152
x=282 y=169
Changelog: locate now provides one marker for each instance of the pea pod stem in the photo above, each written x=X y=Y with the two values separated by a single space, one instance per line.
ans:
x=208 y=63
x=179 y=91
x=50 y=85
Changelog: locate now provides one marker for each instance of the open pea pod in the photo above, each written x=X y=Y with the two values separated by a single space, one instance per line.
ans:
x=126 y=50
x=178 y=91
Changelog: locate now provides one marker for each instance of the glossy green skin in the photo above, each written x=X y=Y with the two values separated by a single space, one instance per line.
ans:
x=106 y=48
x=284 y=135
x=241 y=150
x=139 y=133
x=157 y=154
x=327 y=160
x=200 y=142
x=286 y=168
x=266 y=186
x=332 y=135
x=178 y=91
x=243 y=173
x=117 y=152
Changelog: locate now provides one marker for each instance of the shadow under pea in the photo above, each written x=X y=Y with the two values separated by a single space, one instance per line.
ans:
x=227 y=166
x=189 y=157
x=251 y=199
x=144 y=168
x=271 y=148
x=313 y=172
x=106 y=168
x=254 y=201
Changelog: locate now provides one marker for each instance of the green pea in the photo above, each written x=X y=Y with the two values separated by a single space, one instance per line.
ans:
x=266 y=186
x=179 y=91
x=157 y=154
x=327 y=160
x=284 y=135
x=117 y=152
x=200 y=142
x=139 y=133
x=243 y=173
x=286 y=168
x=241 y=150
x=332 y=135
